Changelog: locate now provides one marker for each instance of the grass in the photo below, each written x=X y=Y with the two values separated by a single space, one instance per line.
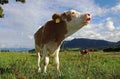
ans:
x=72 y=65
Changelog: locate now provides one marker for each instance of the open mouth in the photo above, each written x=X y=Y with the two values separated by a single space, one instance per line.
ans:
x=87 y=20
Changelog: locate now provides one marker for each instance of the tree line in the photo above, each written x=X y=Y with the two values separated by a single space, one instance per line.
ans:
x=112 y=49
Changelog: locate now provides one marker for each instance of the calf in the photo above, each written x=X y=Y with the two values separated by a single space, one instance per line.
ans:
x=83 y=52
x=50 y=36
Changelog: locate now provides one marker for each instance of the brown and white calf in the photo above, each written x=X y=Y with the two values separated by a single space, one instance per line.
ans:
x=50 y=36
x=84 y=52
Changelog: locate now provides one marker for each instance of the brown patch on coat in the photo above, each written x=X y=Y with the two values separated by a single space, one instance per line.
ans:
x=51 y=31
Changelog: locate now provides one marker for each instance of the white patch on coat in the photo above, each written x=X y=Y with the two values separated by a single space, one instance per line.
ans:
x=76 y=23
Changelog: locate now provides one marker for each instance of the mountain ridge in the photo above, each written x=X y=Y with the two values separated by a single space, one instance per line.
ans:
x=87 y=43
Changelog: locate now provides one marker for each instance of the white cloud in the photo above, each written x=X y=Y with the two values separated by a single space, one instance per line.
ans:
x=110 y=25
x=99 y=31
x=90 y=31
x=116 y=8
x=2 y=46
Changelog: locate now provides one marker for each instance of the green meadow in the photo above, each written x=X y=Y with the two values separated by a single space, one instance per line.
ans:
x=96 y=65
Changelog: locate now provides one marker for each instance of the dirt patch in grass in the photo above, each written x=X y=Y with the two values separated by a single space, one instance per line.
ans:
x=113 y=55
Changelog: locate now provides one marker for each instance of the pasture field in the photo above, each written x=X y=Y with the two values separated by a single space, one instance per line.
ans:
x=97 y=65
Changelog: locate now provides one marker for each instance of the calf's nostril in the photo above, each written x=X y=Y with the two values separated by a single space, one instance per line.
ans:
x=87 y=14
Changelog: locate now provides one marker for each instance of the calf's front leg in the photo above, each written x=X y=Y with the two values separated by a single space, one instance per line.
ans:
x=39 y=68
x=46 y=58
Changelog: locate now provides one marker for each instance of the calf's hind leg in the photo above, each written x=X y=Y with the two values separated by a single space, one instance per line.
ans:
x=56 y=58
x=46 y=62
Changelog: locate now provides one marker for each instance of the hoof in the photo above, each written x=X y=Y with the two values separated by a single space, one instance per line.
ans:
x=39 y=70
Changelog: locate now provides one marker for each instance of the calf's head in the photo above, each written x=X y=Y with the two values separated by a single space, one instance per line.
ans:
x=77 y=17
x=74 y=20
x=73 y=16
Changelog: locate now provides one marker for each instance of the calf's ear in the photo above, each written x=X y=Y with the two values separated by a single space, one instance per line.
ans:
x=56 y=17
x=67 y=17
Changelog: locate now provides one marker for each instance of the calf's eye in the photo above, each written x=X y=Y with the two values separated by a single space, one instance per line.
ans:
x=73 y=13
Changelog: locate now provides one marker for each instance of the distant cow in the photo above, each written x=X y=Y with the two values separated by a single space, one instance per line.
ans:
x=49 y=37
x=83 y=52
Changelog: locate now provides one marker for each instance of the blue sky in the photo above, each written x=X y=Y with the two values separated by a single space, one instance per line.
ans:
x=106 y=3
x=21 y=21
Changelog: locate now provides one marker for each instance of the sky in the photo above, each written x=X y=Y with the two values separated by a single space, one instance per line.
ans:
x=21 y=21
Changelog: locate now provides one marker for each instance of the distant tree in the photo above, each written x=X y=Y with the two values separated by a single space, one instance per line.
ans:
x=2 y=2
x=23 y=1
x=32 y=51
x=112 y=49
x=4 y=51
x=1 y=12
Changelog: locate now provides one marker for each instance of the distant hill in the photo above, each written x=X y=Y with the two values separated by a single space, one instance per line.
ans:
x=113 y=48
x=117 y=44
x=87 y=43
x=15 y=49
